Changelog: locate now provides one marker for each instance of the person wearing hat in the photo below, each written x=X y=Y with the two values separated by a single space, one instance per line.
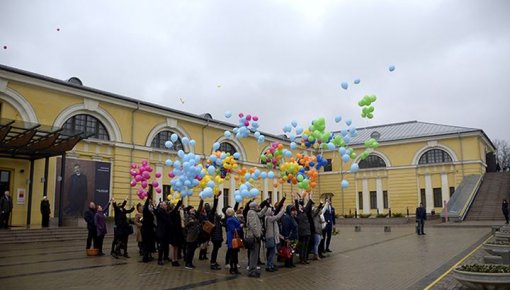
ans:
x=254 y=233
x=45 y=212
x=289 y=232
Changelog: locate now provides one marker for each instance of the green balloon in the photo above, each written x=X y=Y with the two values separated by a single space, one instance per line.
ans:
x=371 y=109
x=300 y=178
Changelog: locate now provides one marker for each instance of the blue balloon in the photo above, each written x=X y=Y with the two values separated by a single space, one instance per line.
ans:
x=270 y=174
x=238 y=198
x=211 y=170
x=180 y=153
x=331 y=146
x=287 y=153
x=391 y=68
x=216 y=146
x=254 y=192
x=342 y=150
x=185 y=140
x=173 y=137
x=228 y=114
x=287 y=128
x=237 y=155
x=345 y=85
x=227 y=134
x=169 y=144
x=294 y=124
x=346 y=158
x=263 y=175
x=168 y=162
x=347 y=139
x=345 y=183
x=293 y=145
x=348 y=122
x=256 y=134
x=261 y=139
x=357 y=81
x=354 y=167
x=344 y=132
x=338 y=119
x=299 y=130
x=192 y=142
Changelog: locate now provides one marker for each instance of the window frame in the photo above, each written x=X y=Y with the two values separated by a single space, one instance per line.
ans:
x=84 y=122
x=159 y=140
x=371 y=162
x=435 y=156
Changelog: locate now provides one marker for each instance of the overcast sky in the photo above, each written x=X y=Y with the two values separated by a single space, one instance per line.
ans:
x=282 y=60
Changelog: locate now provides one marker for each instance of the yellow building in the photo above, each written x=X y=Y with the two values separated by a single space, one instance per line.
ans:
x=101 y=134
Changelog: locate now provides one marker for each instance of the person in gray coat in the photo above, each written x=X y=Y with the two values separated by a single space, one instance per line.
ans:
x=272 y=236
x=254 y=232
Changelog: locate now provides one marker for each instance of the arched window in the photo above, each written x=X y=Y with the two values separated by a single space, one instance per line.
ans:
x=227 y=148
x=372 y=161
x=163 y=136
x=88 y=124
x=435 y=156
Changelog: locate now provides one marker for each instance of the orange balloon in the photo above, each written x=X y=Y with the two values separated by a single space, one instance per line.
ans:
x=275 y=185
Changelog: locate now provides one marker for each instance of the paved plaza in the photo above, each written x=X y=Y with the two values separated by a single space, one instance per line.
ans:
x=370 y=259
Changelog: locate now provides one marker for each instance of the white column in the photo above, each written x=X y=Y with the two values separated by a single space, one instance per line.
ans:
x=366 y=197
x=380 y=201
x=160 y=181
x=231 y=198
x=429 y=196
x=445 y=190
x=265 y=194
x=221 y=203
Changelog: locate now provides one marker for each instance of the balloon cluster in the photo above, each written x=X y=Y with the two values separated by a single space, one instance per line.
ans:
x=370 y=143
x=292 y=136
x=316 y=134
x=247 y=124
x=173 y=139
x=141 y=175
x=273 y=155
x=246 y=190
x=366 y=105
x=186 y=174
x=222 y=164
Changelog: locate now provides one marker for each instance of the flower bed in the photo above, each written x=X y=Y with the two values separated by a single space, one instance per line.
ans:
x=483 y=276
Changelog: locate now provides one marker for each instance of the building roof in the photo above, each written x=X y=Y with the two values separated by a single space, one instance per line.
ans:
x=408 y=130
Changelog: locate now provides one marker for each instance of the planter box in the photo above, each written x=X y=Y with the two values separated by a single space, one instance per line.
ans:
x=489 y=248
x=474 y=280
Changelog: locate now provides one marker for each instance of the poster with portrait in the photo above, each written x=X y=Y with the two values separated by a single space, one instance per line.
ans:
x=84 y=181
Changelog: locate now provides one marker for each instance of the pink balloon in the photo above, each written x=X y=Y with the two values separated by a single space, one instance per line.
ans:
x=246 y=123
x=144 y=162
x=144 y=184
x=248 y=117
x=146 y=175
x=241 y=115
x=171 y=174
x=138 y=178
x=155 y=183
x=158 y=174
x=133 y=172
x=158 y=190
x=133 y=165
x=133 y=183
x=140 y=190
x=149 y=169
x=255 y=118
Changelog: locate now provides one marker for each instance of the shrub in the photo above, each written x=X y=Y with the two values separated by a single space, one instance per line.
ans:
x=364 y=216
x=397 y=214
x=485 y=268
x=348 y=216
x=381 y=215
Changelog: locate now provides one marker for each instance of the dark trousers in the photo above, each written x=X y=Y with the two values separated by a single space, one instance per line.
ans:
x=322 y=243
x=506 y=216
x=45 y=220
x=190 y=252
x=92 y=237
x=329 y=231
x=303 y=250
x=4 y=220
x=214 y=253
x=163 y=250
x=233 y=257
x=420 y=223
x=99 y=243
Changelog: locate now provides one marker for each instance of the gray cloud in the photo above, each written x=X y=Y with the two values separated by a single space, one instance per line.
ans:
x=282 y=60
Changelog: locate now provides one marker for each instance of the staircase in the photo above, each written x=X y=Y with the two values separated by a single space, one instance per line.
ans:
x=487 y=203
x=16 y=236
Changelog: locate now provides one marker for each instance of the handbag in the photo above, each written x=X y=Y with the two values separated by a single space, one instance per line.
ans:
x=208 y=227
x=249 y=242
x=237 y=242
x=285 y=251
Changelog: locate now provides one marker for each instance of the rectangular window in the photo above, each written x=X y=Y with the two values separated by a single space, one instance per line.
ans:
x=270 y=195
x=385 y=199
x=373 y=200
x=329 y=166
x=225 y=197
x=360 y=199
x=423 y=197
x=452 y=191
x=438 y=197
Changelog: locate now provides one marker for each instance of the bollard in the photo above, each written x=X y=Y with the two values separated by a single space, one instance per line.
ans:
x=356 y=213
x=387 y=229
x=357 y=228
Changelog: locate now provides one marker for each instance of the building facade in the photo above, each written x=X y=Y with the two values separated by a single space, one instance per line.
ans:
x=407 y=167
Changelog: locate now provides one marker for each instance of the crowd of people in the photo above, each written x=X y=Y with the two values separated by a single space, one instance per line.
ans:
x=303 y=227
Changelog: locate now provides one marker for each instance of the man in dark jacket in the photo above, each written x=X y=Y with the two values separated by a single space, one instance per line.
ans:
x=504 y=208
x=289 y=231
x=216 y=234
x=329 y=217
x=163 y=231
x=91 y=226
x=304 y=229
x=45 y=212
x=421 y=217
x=5 y=209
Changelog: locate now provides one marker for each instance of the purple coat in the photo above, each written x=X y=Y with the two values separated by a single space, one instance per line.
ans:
x=100 y=221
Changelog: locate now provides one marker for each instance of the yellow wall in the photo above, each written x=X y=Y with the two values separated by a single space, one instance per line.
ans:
x=403 y=179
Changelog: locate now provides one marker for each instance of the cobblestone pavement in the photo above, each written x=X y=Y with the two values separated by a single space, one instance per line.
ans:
x=370 y=259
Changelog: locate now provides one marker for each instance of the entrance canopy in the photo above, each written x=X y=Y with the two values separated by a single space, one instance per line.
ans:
x=31 y=141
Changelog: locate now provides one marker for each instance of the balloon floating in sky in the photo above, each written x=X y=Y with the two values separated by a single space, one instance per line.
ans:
x=5 y=46
x=366 y=105
x=357 y=81
x=344 y=85
x=228 y=114
x=58 y=29
x=391 y=68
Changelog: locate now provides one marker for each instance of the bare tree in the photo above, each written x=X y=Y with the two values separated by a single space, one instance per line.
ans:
x=502 y=151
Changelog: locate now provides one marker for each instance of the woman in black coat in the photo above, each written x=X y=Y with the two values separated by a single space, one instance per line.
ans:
x=216 y=234
x=163 y=231
x=122 y=229
x=176 y=235
x=147 y=230
x=45 y=212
